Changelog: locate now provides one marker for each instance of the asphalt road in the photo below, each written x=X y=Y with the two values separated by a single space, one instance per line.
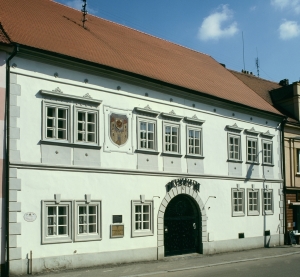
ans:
x=281 y=266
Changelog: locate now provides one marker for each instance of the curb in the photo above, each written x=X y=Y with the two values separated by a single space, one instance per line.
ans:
x=211 y=265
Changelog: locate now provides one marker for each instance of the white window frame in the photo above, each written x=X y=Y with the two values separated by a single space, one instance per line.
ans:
x=267 y=142
x=146 y=120
x=55 y=238
x=268 y=208
x=141 y=232
x=86 y=110
x=230 y=135
x=172 y=125
x=250 y=203
x=194 y=129
x=49 y=104
x=252 y=139
x=240 y=212
x=87 y=236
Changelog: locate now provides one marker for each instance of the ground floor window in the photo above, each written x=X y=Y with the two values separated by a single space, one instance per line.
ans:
x=238 y=202
x=268 y=201
x=253 y=202
x=142 y=221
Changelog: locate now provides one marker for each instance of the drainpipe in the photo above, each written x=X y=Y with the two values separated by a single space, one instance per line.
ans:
x=7 y=123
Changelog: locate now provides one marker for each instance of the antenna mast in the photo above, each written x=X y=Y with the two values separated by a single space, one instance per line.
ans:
x=84 y=12
x=243 y=51
x=257 y=63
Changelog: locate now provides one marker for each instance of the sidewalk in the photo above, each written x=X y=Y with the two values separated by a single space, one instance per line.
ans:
x=176 y=263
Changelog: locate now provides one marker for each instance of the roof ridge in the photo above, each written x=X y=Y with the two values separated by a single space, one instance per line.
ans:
x=116 y=23
x=253 y=76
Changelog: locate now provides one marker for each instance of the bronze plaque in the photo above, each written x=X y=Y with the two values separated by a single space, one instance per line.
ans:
x=117 y=231
x=118 y=128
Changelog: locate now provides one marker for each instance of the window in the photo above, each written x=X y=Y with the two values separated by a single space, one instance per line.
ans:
x=86 y=126
x=238 y=202
x=87 y=220
x=146 y=134
x=253 y=202
x=56 y=222
x=252 y=150
x=194 y=141
x=142 y=224
x=268 y=201
x=57 y=122
x=267 y=152
x=171 y=138
x=298 y=161
x=234 y=147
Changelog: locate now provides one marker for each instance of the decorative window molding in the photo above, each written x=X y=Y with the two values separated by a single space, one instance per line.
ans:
x=147 y=111
x=238 y=201
x=58 y=93
x=267 y=152
x=87 y=220
x=183 y=182
x=267 y=135
x=253 y=201
x=194 y=120
x=171 y=138
x=142 y=218
x=252 y=150
x=56 y=221
x=146 y=134
x=172 y=115
x=252 y=132
x=234 y=128
x=268 y=201
x=194 y=142
x=234 y=147
x=86 y=126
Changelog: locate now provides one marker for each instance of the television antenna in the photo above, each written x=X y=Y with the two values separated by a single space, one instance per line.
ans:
x=84 y=12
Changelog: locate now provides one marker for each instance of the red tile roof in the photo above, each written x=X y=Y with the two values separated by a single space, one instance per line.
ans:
x=47 y=25
x=3 y=36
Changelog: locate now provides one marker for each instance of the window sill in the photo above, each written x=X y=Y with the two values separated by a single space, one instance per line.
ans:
x=253 y=213
x=87 y=238
x=234 y=161
x=145 y=151
x=254 y=163
x=268 y=213
x=189 y=156
x=170 y=154
x=238 y=214
x=65 y=143
x=271 y=165
x=141 y=233
x=56 y=240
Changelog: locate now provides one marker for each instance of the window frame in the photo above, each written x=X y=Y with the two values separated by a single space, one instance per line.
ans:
x=75 y=124
x=255 y=212
x=146 y=232
x=267 y=212
x=56 y=238
x=231 y=135
x=146 y=120
x=250 y=138
x=297 y=161
x=85 y=236
x=194 y=128
x=55 y=105
x=269 y=142
x=175 y=125
x=237 y=213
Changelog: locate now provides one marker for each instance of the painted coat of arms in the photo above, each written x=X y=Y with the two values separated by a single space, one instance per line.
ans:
x=118 y=128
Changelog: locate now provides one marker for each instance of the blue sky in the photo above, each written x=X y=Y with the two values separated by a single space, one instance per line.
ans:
x=270 y=29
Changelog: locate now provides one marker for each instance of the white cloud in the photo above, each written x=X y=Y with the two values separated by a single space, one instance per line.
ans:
x=211 y=27
x=289 y=30
x=287 y=4
x=77 y=4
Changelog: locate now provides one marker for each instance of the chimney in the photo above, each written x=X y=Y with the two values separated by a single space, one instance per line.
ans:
x=284 y=82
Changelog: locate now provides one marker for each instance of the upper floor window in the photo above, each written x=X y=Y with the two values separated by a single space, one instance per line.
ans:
x=57 y=122
x=146 y=134
x=267 y=152
x=86 y=125
x=171 y=138
x=252 y=150
x=194 y=141
x=234 y=147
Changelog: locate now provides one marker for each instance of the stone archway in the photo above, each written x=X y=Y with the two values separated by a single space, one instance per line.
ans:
x=174 y=188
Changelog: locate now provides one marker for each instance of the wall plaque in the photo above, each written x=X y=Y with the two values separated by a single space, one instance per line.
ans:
x=30 y=216
x=117 y=218
x=117 y=231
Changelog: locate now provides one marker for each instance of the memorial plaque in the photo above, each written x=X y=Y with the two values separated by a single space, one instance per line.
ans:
x=117 y=218
x=117 y=231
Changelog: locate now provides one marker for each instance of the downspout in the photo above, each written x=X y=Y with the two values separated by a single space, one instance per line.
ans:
x=7 y=124
x=283 y=176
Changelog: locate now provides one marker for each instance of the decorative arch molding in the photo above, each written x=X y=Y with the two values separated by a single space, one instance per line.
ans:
x=174 y=188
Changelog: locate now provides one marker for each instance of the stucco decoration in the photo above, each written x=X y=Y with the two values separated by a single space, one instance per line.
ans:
x=87 y=95
x=57 y=90
x=183 y=182
x=181 y=186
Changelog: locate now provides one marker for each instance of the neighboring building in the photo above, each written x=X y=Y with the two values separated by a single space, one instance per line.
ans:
x=124 y=147
x=285 y=98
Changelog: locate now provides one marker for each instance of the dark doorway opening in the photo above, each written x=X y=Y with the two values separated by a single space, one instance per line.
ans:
x=182 y=226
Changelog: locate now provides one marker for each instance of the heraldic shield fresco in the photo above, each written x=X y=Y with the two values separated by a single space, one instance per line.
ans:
x=118 y=128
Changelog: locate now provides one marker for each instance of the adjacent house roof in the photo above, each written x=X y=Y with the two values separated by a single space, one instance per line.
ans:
x=50 y=26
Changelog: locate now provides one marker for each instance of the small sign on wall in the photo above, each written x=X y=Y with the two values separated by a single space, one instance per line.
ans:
x=117 y=231
x=117 y=218
x=30 y=217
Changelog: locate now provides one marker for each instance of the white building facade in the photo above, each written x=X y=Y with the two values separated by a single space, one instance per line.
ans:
x=106 y=168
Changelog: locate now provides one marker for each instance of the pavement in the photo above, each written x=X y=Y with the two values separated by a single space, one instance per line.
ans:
x=178 y=263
